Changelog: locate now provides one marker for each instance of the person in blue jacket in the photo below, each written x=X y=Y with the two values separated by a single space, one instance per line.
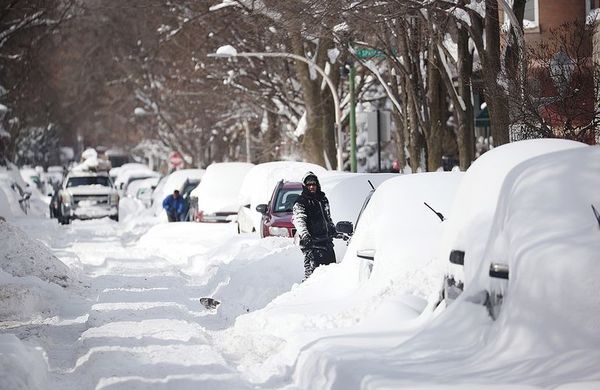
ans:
x=174 y=205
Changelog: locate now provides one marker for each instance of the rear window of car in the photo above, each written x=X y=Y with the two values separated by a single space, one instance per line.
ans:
x=88 y=181
x=286 y=199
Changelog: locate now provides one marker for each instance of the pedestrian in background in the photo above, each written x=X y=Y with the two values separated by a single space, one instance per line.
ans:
x=312 y=219
x=174 y=205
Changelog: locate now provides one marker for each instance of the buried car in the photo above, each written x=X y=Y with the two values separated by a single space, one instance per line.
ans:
x=87 y=195
x=469 y=224
x=397 y=233
x=216 y=198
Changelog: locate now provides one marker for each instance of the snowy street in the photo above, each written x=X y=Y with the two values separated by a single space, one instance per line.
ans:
x=101 y=304
x=138 y=322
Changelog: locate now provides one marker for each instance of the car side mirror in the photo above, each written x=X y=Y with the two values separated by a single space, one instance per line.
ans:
x=457 y=257
x=345 y=227
x=262 y=208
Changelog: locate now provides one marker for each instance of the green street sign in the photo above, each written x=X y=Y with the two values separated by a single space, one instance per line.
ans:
x=369 y=53
x=364 y=53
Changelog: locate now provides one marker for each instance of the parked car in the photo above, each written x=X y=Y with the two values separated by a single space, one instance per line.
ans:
x=125 y=178
x=469 y=226
x=87 y=195
x=216 y=198
x=258 y=186
x=114 y=172
x=397 y=234
x=277 y=214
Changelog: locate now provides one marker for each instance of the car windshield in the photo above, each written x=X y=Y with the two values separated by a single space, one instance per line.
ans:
x=88 y=181
x=286 y=199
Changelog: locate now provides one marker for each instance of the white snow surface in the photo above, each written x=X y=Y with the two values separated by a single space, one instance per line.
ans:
x=130 y=318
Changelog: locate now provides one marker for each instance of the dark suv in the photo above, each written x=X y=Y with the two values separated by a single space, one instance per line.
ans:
x=277 y=214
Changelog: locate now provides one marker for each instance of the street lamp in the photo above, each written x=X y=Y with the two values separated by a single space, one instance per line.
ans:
x=229 y=51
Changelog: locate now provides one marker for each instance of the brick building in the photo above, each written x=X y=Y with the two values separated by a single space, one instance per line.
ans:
x=541 y=17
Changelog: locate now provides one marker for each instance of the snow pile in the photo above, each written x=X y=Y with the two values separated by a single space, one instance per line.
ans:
x=21 y=367
x=22 y=256
x=31 y=278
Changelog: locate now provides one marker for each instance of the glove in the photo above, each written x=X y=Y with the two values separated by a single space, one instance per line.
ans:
x=332 y=232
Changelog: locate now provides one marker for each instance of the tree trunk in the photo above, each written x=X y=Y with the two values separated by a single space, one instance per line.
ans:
x=313 y=139
x=495 y=83
x=437 y=109
x=465 y=119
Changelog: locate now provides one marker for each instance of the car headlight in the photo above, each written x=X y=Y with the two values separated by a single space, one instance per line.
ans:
x=278 y=231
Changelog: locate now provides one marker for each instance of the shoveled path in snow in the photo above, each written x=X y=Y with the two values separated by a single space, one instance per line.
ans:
x=141 y=327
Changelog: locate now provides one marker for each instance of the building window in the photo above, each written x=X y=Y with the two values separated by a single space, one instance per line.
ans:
x=531 y=18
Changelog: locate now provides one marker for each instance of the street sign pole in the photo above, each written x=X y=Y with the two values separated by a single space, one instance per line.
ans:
x=378 y=143
x=351 y=90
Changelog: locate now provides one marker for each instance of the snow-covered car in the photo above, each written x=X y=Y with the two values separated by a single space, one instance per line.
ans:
x=32 y=177
x=115 y=171
x=470 y=221
x=216 y=198
x=87 y=195
x=398 y=228
x=258 y=186
x=129 y=176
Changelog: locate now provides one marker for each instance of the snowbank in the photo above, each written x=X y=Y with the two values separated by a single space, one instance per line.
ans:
x=21 y=367
x=22 y=256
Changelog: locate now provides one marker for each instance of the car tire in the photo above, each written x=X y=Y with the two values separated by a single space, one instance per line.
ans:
x=115 y=218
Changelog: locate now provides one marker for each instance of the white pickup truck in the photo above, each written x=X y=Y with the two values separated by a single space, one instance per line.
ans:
x=87 y=195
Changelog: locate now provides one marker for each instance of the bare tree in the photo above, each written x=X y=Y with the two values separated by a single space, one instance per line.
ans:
x=563 y=78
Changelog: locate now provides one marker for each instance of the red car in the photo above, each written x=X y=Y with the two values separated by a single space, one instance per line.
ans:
x=277 y=214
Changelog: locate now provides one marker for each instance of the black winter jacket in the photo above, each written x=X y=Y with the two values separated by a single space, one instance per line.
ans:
x=312 y=219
